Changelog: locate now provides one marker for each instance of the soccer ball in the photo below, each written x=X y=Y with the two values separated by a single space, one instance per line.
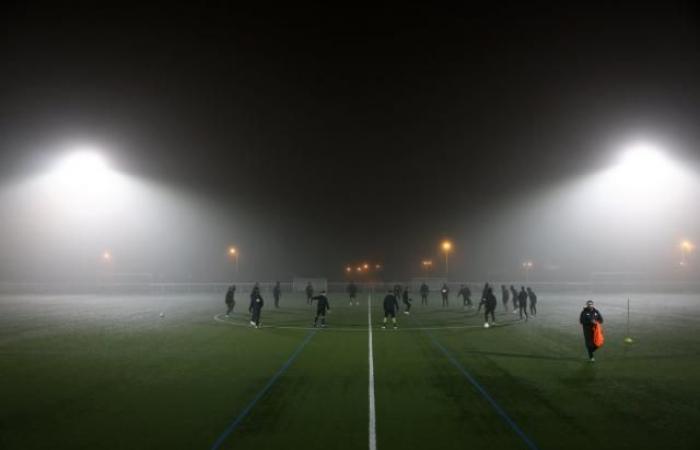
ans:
x=486 y=325
x=162 y=315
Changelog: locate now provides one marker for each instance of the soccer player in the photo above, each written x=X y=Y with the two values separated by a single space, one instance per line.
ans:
x=230 y=300
x=489 y=301
x=445 y=292
x=589 y=316
x=484 y=291
x=406 y=301
x=321 y=307
x=514 y=295
x=466 y=295
x=352 y=293
x=533 y=301
x=522 y=303
x=256 y=304
x=505 y=297
x=391 y=307
x=424 y=290
x=309 y=292
x=277 y=293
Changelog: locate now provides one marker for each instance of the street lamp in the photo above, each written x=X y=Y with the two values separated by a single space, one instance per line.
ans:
x=527 y=267
x=427 y=265
x=447 y=248
x=233 y=253
x=687 y=248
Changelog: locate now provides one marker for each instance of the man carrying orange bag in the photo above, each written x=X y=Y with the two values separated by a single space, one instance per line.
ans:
x=592 y=330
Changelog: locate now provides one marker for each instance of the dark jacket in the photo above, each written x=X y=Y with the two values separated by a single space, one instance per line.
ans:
x=588 y=316
x=322 y=302
x=229 y=295
x=424 y=289
x=256 y=301
x=390 y=303
x=522 y=298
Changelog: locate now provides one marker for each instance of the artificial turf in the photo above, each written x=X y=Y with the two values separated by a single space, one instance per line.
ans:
x=107 y=372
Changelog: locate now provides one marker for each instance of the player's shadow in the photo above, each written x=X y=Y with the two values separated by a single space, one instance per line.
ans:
x=521 y=355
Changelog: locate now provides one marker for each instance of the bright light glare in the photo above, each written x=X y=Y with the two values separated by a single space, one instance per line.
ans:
x=643 y=164
x=447 y=246
x=83 y=182
x=644 y=179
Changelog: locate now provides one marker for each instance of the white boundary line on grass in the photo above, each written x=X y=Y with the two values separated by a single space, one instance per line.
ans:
x=219 y=318
x=372 y=411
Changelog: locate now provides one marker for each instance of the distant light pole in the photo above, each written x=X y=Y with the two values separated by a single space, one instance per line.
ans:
x=233 y=253
x=687 y=248
x=427 y=265
x=447 y=248
x=527 y=267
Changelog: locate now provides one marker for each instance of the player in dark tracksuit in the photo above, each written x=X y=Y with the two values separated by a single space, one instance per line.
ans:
x=484 y=291
x=424 y=290
x=321 y=307
x=522 y=303
x=466 y=295
x=406 y=301
x=505 y=297
x=391 y=307
x=255 y=308
x=309 y=292
x=588 y=317
x=352 y=293
x=514 y=296
x=277 y=293
x=445 y=292
x=489 y=301
x=533 y=301
x=230 y=299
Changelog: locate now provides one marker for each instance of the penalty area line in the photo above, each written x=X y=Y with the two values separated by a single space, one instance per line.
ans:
x=243 y=414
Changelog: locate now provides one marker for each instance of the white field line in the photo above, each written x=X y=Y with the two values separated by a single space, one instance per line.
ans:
x=372 y=411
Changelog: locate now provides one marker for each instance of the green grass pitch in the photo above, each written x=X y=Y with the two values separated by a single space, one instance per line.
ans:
x=89 y=372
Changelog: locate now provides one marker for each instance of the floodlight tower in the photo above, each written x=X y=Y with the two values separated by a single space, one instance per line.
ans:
x=447 y=248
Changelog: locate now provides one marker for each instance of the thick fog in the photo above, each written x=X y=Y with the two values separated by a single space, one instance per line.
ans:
x=77 y=217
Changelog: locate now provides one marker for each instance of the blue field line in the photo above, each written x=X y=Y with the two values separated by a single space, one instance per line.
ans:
x=484 y=393
x=237 y=421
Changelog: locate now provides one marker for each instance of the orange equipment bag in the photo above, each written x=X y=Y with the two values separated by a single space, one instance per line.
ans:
x=598 y=338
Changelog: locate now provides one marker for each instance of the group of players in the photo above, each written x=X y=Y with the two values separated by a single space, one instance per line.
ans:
x=391 y=301
x=588 y=319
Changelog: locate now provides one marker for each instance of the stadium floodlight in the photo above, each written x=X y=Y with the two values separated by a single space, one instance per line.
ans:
x=365 y=266
x=83 y=182
x=348 y=269
x=106 y=256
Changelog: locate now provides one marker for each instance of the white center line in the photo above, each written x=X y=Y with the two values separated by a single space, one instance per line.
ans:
x=372 y=412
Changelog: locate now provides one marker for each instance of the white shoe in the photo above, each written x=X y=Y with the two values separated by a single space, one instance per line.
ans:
x=592 y=360
x=405 y=312
x=252 y=324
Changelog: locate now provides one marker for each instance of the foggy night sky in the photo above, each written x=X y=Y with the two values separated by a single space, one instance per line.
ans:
x=339 y=134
